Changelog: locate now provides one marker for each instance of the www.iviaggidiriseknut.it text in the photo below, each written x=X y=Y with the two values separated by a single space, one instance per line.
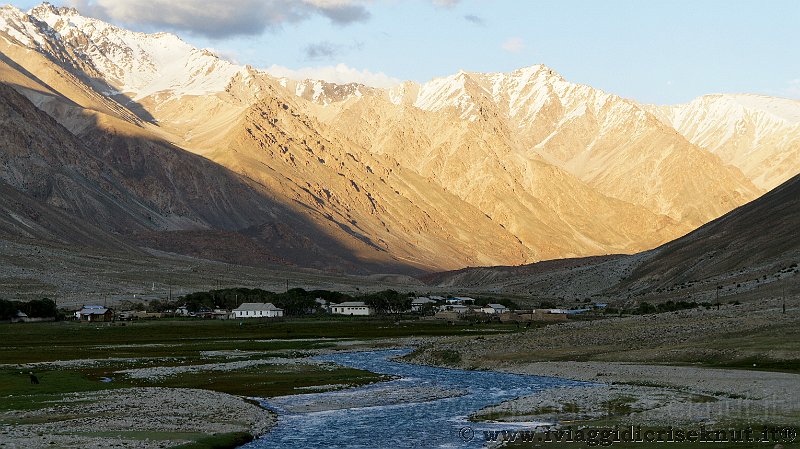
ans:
x=607 y=436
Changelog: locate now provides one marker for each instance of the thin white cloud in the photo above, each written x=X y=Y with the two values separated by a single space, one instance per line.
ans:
x=217 y=19
x=226 y=18
x=514 y=45
x=339 y=74
x=793 y=88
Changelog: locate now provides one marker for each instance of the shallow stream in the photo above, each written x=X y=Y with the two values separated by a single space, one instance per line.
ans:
x=426 y=407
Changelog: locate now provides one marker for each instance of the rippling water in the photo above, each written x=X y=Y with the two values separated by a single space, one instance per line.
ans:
x=435 y=423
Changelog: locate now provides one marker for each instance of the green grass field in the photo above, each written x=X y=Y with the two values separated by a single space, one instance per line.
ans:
x=118 y=346
x=43 y=342
x=113 y=347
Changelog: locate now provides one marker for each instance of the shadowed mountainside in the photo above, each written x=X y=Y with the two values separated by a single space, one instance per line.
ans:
x=740 y=252
x=761 y=232
x=137 y=188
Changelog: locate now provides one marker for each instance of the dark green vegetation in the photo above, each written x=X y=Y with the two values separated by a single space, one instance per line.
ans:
x=220 y=441
x=668 y=306
x=258 y=358
x=294 y=302
x=298 y=302
x=266 y=381
x=187 y=342
x=38 y=308
x=17 y=392
x=644 y=308
x=42 y=342
x=446 y=357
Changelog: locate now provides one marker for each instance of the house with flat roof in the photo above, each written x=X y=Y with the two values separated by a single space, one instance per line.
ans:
x=352 y=308
x=457 y=308
x=419 y=303
x=494 y=309
x=257 y=310
x=460 y=300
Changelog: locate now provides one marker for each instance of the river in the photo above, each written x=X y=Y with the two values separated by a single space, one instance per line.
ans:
x=396 y=414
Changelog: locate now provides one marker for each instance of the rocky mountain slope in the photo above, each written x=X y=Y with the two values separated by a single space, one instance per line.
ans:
x=141 y=191
x=759 y=234
x=472 y=169
x=759 y=135
x=749 y=252
x=607 y=142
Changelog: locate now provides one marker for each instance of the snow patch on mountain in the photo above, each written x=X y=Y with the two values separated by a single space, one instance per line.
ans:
x=758 y=134
x=137 y=64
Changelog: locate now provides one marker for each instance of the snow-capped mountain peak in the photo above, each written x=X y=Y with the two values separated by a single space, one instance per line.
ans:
x=759 y=134
x=47 y=9
x=521 y=96
x=136 y=64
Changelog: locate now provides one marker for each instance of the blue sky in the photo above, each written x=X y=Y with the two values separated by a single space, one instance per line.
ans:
x=652 y=51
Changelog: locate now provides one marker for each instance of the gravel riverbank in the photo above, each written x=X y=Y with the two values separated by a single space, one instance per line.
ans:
x=647 y=367
x=140 y=418
x=655 y=395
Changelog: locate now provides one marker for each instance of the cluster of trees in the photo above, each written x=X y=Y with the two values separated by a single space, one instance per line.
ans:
x=670 y=306
x=38 y=308
x=296 y=301
x=388 y=301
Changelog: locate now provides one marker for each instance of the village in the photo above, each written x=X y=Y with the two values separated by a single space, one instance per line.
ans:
x=255 y=304
x=433 y=307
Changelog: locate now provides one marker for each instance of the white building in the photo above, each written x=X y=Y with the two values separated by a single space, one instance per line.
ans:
x=457 y=308
x=352 y=308
x=494 y=309
x=460 y=300
x=418 y=303
x=257 y=310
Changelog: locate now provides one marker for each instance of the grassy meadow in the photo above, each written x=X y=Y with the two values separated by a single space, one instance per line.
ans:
x=184 y=342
